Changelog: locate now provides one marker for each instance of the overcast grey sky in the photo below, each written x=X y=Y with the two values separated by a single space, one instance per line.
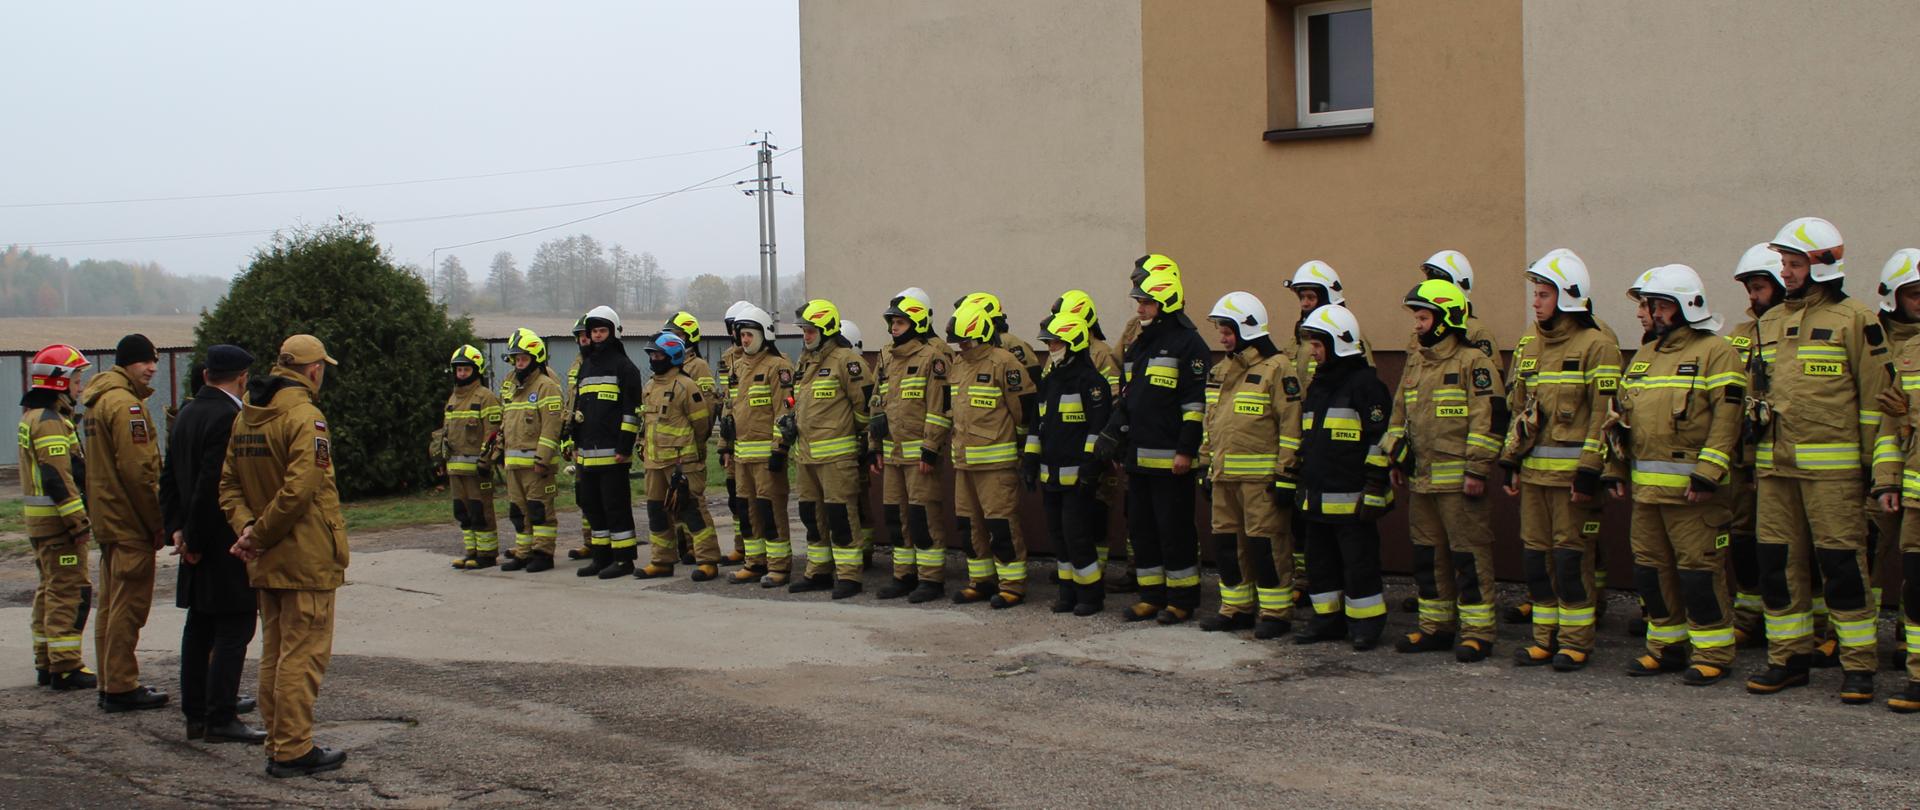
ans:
x=120 y=100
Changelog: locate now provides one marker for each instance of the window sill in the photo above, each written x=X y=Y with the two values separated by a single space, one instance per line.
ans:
x=1311 y=133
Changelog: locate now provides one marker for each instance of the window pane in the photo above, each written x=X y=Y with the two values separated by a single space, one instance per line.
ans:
x=1340 y=61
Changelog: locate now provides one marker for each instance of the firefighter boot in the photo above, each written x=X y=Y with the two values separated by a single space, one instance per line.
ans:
x=897 y=587
x=1064 y=598
x=926 y=591
x=1780 y=678
x=1532 y=655
x=1472 y=651
x=73 y=680
x=821 y=582
x=1267 y=629
x=1570 y=660
x=1703 y=675
x=1089 y=599
x=598 y=558
x=1856 y=687
x=1672 y=659
x=751 y=573
x=705 y=572
x=1905 y=701
x=1223 y=622
x=537 y=562
x=1419 y=642
x=846 y=588
x=617 y=569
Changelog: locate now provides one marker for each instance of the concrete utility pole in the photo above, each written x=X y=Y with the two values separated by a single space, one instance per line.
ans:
x=763 y=192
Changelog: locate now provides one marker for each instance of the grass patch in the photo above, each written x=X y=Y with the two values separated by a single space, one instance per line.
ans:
x=13 y=518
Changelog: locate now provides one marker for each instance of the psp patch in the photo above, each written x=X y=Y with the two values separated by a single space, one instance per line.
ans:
x=1292 y=386
x=853 y=369
x=1482 y=378
x=786 y=377
x=938 y=369
x=1013 y=380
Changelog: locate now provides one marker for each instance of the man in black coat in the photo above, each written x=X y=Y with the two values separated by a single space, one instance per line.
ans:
x=213 y=583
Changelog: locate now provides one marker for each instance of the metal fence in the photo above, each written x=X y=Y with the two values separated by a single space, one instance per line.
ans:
x=170 y=383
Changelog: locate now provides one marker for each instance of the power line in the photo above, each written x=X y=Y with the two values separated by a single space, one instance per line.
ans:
x=603 y=213
x=400 y=221
x=313 y=189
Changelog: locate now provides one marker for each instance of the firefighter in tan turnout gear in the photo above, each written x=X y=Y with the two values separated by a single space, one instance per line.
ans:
x=760 y=382
x=1567 y=370
x=1441 y=443
x=1674 y=438
x=467 y=440
x=531 y=416
x=676 y=419
x=1826 y=365
x=687 y=327
x=1896 y=467
x=827 y=430
x=1252 y=433
x=991 y=402
x=913 y=383
x=1759 y=274
x=51 y=471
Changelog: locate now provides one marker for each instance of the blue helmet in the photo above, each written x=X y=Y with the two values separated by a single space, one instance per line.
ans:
x=671 y=345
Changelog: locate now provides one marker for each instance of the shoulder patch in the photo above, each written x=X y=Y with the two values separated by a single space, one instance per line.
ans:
x=1013 y=379
x=853 y=369
x=1483 y=378
x=1874 y=334
x=1485 y=346
x=1019 y=352
x=319 y=426
x=138 y=427
x=1291 y=385
x=1377 y=414
x=322 y=452
x=786 y=376
x=938 y=369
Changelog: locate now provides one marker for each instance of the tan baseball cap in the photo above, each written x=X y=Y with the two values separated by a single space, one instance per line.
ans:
x=301 y=350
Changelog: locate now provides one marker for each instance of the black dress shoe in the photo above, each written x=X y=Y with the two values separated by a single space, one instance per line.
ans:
x=234 y=731
x=132 y=700
x=196 y=730
x=245 y=705
x=317 y=760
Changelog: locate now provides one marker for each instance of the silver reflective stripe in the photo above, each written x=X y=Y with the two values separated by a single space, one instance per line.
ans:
x=1558 y=452
x=1341 y=413
x=608 y=453
x=1183 y=573
x=463 y=459
x=1164 y=362
x=1193 y=406
x=1127 y=368
x=1057 y=473
x=523 y=454
x=1669 y=467
x=1147 y=453
x=38 y=500
x=1069 y=399
x=1340 y=497
x=599 y=381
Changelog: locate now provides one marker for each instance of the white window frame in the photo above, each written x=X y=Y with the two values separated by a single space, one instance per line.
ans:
x=1301 y=94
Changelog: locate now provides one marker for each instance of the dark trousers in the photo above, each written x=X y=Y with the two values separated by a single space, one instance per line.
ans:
x=1070 y=525
x=606 y=501
x=1343 y=575
x=213 y=650
x=1166 y=546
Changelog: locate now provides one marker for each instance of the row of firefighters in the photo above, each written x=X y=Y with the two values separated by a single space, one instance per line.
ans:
x=1772 y=452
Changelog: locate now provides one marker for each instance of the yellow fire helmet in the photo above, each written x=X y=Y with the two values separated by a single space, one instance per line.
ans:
x=467 y=355
x=971 y=322
x=1162 y=286
x=526 y=341
x=1077 y=303
x=687 y=325
x=821 y=314
x=1150 y=263
x=1069 y=329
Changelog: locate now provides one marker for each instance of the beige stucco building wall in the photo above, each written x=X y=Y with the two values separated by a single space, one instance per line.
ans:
x=988 y=144
x=1665 y=132
x=1443 y=167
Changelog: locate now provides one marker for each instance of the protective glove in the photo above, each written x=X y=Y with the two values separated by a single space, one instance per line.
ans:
x=1106 y=446
x=727 y=428
x=789 y=428
x=877 y=427
x=1030 y=473
x=777 y=462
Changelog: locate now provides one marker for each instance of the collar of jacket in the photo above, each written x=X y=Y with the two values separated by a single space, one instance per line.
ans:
x=1815 y=295
x=1679 y=338
x=907 y=344
x=1166 y=323
x=977 y=351
x=116 y=378
x=1446 y=347
x=1563 y=326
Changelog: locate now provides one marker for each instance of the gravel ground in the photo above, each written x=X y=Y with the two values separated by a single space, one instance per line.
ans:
x=510 y=689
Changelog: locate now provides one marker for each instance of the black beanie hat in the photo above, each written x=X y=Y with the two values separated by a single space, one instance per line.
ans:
x=135 y=348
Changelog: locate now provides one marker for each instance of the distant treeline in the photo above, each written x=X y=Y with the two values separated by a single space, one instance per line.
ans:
x=32 y=284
